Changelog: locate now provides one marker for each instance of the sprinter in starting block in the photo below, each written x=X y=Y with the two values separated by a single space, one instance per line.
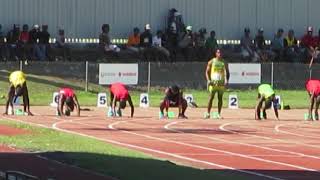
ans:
x=67 y=100
x=119 y=93
x=313 y=89
x=173 y=98
x=266 y=96
x=18 y=87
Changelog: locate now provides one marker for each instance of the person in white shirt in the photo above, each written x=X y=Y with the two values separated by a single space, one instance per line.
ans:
x=157 y=44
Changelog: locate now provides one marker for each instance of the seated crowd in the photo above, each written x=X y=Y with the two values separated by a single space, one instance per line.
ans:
x=177 y=41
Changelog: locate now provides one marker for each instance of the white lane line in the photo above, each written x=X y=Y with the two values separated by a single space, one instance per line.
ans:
x=223 y=128
x=167 y=126
x=162 y=152
x=277 y=128
x=227 y=155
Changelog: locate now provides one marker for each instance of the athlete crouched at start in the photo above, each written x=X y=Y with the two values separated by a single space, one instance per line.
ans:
x=69 y=101
x=173 y=98
x=119 y=93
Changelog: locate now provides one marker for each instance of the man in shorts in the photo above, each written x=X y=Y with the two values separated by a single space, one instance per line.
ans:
x=119 y=93
x=217 y=75
x=266 y=97
x=173 y=98
x=313 y=89
x=67 y=100
x=18 y=87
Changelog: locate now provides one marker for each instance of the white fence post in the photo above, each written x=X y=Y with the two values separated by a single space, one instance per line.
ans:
x=87 y=67
x=149 y=76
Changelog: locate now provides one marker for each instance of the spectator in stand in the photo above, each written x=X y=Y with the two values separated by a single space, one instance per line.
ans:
x=247 y=47
x=60 y=44
x=175 y=29
x=146 y=42
x=12 y=42
x=34 y=35
x=200 y=45
x=277 y=46
x=211 y=44
x=309 y=45
x=187 y=44
x=134 y=41
x=261 y=47
x=44 y=42
x=105 y=41
x=24 y=43
x=290 y=47
x=157 y=45
x=2 y=45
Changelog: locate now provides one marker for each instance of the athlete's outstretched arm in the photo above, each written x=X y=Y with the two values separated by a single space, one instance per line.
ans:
x=9 y=99
x=275 y=108
x=226 y=66
x=258 y=107
x=60 y=105
x=131 y=105
x=208 y=71
x=76 y=102
x=312 y=97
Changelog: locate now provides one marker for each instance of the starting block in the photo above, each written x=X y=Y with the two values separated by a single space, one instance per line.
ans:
x=19 y=112
x=171 y=115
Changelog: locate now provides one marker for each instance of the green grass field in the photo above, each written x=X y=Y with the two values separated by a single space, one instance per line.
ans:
x=42 y=87
x=104 y=158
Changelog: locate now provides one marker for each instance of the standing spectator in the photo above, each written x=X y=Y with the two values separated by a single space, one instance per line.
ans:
x=44 y=45
x=146 y=42
x=60 y=44
x=211 y=43
x=134 y=41
x=24 y=42
x=277 y=45
x=247 y=47
x=187 y=43
x=308 y=44
x=105 y=41
x=290 y=47
x=260 y=44
x=2 y=45
x=200 y=42
x=34 y=35
x=12 y=41
x=157 y=44
x=175 y=30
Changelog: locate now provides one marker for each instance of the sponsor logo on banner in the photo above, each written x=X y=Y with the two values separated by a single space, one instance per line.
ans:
x=124 y=73
x=245 y=73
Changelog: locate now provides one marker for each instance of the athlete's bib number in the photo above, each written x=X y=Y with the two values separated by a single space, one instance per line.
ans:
x=144 y=100
x=216 y=77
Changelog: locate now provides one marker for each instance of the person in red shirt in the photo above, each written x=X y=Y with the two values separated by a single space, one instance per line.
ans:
x=309 y=43
x=313 y=88
x=67 y=99
x=119 y=93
